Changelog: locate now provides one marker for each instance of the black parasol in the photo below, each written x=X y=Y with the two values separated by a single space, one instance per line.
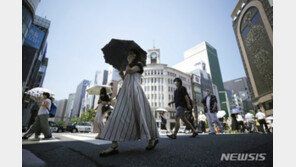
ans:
x=116 y=52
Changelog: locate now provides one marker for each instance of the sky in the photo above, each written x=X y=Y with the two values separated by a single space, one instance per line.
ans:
x=79 y=29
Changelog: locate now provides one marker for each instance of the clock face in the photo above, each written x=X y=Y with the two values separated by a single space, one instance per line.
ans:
x=153 y=55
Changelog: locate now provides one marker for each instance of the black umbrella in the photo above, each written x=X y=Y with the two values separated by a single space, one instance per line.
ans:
x=116 y=52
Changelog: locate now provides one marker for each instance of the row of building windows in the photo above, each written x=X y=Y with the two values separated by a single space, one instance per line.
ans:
x=171 y=89
x=153 y=72
x=172 y=74
x=153 y=88
x=161 y=80
x=159 y=96
x=155 y=96
x=153 y=80
x=160 y=88
x=155 y=104
x=160 y=72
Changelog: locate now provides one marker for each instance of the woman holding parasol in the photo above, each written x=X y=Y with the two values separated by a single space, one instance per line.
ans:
x=132 y=118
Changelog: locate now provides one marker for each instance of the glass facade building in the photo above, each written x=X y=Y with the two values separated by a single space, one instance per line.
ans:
x=204 y=56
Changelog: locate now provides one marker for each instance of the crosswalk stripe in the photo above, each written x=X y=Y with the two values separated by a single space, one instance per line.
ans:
x=89 y=139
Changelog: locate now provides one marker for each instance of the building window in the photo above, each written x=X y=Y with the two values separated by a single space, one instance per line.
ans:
x=256 y=18
x=245 y=31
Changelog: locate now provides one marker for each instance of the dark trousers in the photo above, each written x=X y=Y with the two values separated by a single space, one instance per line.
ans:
x=32 y=119
x=202 y=125
x=163 y=126
x=40 y=125
x=263 y=122
x=241 y=126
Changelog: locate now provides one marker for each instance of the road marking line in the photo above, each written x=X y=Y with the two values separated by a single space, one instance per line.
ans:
x=91 y=140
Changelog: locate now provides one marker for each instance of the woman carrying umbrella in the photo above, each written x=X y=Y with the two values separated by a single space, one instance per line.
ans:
x=41 y=121
x=103 y=106
x=131 y=118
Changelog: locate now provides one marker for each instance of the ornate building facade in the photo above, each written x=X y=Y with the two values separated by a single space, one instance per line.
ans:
x=158 y=85
x=253 y=28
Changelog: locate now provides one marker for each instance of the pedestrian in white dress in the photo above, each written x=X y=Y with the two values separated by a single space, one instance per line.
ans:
x=132 y=118
x=103 y=106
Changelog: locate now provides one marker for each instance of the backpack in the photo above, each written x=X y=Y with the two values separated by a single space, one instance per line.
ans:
x=52 y=111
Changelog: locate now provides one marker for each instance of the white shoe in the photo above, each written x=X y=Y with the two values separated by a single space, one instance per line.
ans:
x=35 y=139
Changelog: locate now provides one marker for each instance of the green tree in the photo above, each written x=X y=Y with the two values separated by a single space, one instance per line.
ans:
x=252 y=112
x=75 y=120
x=62 y=123
x=88 y=115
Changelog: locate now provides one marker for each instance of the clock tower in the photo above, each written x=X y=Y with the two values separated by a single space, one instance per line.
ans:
x=153 y=56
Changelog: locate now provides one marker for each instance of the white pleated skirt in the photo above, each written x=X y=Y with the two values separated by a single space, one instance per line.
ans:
x=132 y=118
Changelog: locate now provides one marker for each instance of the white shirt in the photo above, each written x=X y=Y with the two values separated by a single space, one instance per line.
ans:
x=208 y=103
x=249 y=117
x=239 y=118
x=202 y=117
x=260 y=115
x=42 y=110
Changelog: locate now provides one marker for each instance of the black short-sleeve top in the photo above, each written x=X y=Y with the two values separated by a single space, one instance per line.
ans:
x=179 y=97
x=140 y=65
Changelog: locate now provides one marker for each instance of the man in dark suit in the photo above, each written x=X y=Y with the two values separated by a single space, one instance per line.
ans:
x=210 y=107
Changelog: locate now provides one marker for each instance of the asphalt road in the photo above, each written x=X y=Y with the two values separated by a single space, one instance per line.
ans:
x=205 y=150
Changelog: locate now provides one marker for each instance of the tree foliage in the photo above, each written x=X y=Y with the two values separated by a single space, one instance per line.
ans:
x=87 y=116
x=75 y=120
x=62 y=123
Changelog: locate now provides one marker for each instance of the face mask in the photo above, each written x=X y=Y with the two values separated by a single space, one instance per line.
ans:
x=176 y=83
